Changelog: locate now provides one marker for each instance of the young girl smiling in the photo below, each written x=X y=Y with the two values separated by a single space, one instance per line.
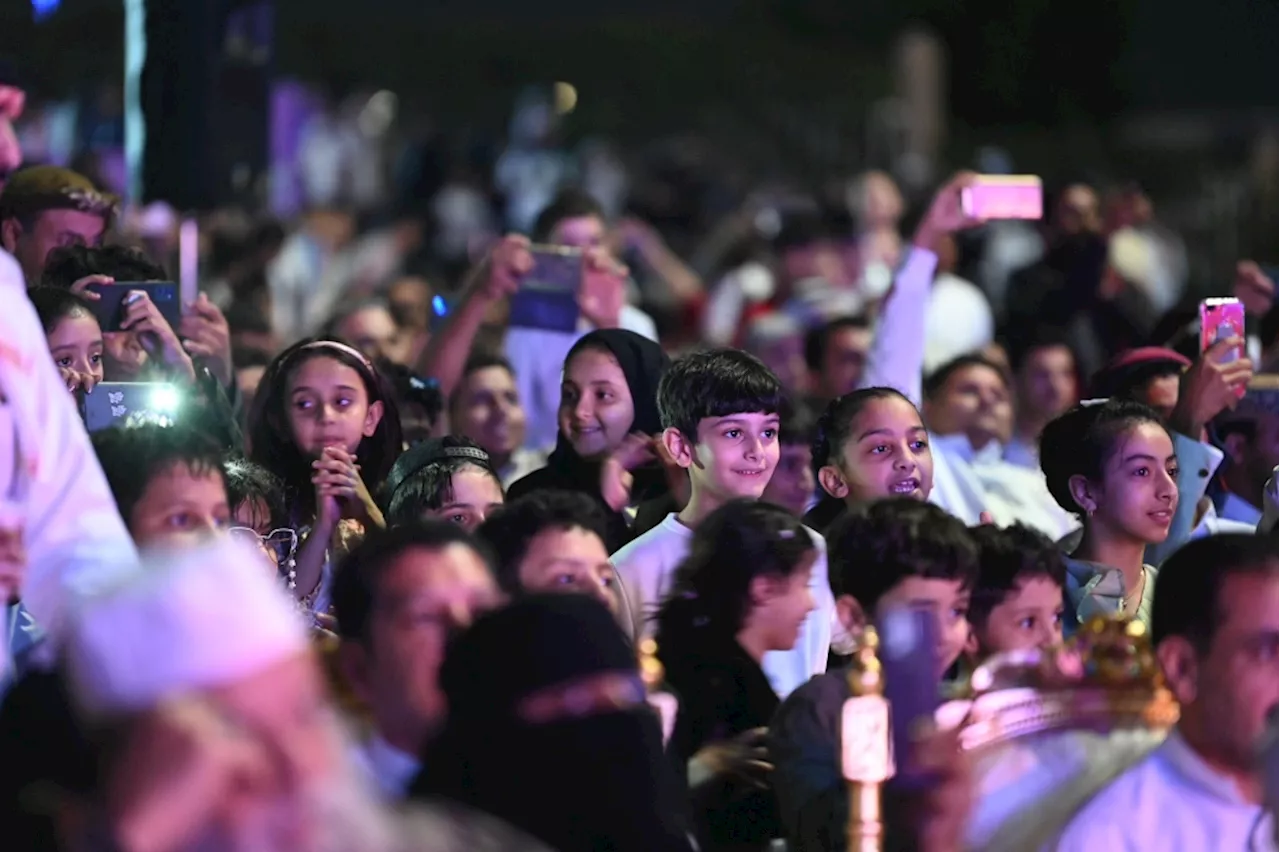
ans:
x=324 y=423
x=1112 y=462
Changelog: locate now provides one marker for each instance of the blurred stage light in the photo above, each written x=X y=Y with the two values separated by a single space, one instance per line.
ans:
x=566 y=98
x=41 y=9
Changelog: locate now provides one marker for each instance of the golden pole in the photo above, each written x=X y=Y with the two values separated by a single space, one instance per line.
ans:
x=867 y=756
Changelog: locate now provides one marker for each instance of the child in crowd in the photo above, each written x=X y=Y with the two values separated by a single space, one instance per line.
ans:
x=871 y=444
x=894 y=552
x=260 y=514
x=742 y=592
x=448 y=478
x=608 y=415
x=75 y=338
x=1113 y=463
x=418 y=400
x=720 y=413
x=485 y=407
x=325 y=424
x=552 y=541
x=1017 y=600
x=167 y=482
x=792 y=485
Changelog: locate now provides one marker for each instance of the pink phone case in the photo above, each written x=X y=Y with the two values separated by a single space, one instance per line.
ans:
x=1003 y=197
x=1221 y=319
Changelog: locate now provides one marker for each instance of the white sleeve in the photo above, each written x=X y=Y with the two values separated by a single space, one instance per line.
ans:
x=897 y=353
x=73 y=533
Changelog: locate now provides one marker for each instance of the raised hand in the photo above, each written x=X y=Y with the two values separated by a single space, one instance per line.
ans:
x=336 y=477
x=207 y=338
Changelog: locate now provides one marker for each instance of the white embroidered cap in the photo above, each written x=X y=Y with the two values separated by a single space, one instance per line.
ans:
x=185 y=620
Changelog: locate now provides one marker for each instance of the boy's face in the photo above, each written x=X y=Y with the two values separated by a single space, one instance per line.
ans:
x=180 y=507
x=792 y=484
x=1030 y=617
x=734 y=456
x=949 y=602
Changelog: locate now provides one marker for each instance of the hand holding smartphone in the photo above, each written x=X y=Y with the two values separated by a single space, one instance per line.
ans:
x=109 y=307
x=912 y=683
x=1223 y=319
x=548 y=294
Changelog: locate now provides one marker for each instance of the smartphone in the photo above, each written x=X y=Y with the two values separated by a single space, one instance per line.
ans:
x=1003 y=197
x=548 y=294
x=1220 y=319
x=109 y=309
x=113 y=403
x=912 y=681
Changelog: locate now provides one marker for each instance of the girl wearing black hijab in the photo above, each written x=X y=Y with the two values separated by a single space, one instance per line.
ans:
x=556 y=738
x=608 y=407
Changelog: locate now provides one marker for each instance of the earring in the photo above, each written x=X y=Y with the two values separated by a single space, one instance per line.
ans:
x=1089 y=511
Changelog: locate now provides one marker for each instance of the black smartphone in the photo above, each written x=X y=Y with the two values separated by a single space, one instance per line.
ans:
x=548 y=295
x=113 y=403
x=912 y=681
x=109 y=309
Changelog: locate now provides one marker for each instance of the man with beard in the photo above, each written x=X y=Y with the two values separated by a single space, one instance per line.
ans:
x=196 y=678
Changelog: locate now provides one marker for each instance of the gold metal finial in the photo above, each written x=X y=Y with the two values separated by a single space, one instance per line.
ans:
x=866 y=753
x=651 y=669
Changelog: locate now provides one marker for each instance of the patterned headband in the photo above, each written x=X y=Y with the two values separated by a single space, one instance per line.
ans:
x=466 y=453
x=341 y=347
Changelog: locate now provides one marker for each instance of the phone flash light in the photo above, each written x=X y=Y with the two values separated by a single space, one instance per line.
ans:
x=165 y=400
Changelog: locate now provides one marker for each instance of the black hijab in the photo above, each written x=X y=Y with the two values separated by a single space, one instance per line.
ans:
x=578 y=783
x=643 y=362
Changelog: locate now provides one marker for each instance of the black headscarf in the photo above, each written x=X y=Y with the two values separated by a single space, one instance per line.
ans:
x=579 y=784
x=643 y=362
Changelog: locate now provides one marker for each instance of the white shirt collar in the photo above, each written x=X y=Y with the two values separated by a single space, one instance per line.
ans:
x=1195 y=772
x=958 y=446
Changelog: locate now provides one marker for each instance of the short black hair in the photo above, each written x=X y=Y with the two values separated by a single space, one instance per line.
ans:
x=1079 y=442
x=479 y=359
x=53 y=304
x=835 y=425
x=422 y=477
x=68 y=264
x=358 y=576
x=1188 y=591
x=1023 y=346
x=716 y=383
x=798 y=425
x=248 y=482
x=414 y=394
x=937 y=380
x=247 y=318
x=509 y=531
x=245 y=357
x=569 y=203
x=871 y=549
x=816 y=339
x=131 y=456
x=1008 y=557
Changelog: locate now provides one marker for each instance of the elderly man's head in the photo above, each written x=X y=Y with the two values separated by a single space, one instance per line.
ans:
x=199 y=664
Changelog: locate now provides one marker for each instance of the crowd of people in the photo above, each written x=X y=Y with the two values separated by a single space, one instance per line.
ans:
x=394 y=568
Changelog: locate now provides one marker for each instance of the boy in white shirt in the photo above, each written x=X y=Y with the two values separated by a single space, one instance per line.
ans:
x=720 y=413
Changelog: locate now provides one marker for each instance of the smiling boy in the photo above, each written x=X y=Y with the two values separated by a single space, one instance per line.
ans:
x=720 y=415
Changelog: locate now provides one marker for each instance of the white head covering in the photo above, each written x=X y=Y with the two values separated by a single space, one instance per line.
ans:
x=185 y=620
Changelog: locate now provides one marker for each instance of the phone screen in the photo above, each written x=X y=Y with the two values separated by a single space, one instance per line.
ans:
x=912 y=681
x=548 y=295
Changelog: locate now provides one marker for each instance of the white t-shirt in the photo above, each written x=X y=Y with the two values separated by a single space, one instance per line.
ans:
x=647 y=565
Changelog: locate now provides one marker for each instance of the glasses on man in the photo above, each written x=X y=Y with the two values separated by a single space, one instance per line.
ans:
x=279 y=544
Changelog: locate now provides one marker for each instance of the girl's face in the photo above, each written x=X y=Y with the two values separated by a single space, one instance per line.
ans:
x=329 y=406
x=784 y=605
x=886 y=455
x=76 y=344
x=475 y=495
x=596 y=410
x=1139 y=490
